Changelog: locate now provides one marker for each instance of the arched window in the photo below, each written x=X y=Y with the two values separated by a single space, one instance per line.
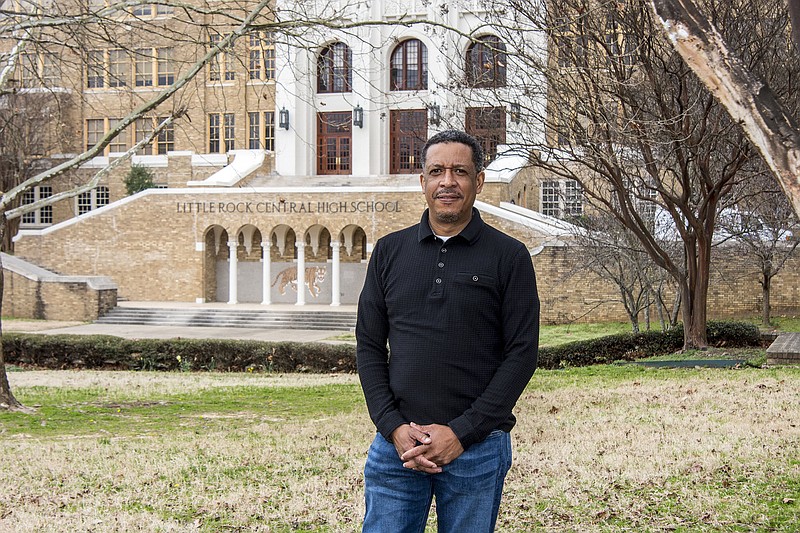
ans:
x=334 y=69
x=409 y=66
x=486 y=62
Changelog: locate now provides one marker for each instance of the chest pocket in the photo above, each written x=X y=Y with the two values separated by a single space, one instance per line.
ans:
x=475 y=292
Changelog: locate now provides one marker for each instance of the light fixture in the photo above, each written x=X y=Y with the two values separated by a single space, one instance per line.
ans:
x=283 y=118
x=358 y=116
x=434 y=116
x=516 y=112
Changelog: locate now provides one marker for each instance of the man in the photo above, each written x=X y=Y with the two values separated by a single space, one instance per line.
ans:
x=456 y=300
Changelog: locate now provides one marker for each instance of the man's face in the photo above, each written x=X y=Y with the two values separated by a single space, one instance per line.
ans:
x=450 y=184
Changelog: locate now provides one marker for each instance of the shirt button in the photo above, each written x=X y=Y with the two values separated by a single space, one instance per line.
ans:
x=438 y=280
x=441 y=265
x=444 y=250
x=474 y=278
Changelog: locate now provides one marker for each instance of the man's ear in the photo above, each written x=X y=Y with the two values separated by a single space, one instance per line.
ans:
x=422 y=182
x=479 y=181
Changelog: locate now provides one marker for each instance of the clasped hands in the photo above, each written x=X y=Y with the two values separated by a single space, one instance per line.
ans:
x=426 y=448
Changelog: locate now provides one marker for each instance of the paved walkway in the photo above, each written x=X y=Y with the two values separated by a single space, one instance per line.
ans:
x=52 y=327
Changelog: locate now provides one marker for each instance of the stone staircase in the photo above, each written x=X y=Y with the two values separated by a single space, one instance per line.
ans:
x=231 y=318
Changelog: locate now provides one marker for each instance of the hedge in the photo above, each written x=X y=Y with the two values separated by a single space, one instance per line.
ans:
x=108 y=352
x=632 y=346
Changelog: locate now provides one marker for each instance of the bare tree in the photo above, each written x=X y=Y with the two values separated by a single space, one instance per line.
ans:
x=628 y=121
x=614 y=254
x=764 y=232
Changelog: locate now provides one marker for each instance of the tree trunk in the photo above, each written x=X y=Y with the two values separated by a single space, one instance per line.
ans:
x=7 y=399
x=766 y=311
x=747 y=99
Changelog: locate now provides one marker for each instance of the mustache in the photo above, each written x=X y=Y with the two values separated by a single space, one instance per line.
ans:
x=448 y=192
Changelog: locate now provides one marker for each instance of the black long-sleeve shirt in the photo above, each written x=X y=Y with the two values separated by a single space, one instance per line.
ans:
x=461 y=319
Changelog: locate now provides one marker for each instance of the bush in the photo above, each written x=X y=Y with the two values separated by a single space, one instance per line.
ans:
x=631 y=346
x=138 y=179
x=108 y=352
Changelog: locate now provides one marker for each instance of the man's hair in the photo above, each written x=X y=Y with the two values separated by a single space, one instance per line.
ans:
x=456 y=136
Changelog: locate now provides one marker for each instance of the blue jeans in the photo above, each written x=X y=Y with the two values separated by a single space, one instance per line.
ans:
x=467 y=491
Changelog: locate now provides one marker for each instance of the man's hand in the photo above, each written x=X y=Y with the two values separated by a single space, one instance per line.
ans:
x=442 y=447
x=409 y=436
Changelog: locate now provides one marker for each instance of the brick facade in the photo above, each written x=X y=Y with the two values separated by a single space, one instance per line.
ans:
x=167 y=245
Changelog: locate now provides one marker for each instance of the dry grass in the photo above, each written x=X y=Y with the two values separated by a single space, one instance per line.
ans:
x=605 y=449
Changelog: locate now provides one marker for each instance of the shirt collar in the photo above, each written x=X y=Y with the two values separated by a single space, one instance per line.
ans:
x=470 y=233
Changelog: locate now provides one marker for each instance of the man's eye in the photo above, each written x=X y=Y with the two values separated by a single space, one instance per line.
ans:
x=460 y=172
x=435 y=172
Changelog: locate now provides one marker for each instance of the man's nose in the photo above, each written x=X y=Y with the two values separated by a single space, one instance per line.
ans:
x=448 y=178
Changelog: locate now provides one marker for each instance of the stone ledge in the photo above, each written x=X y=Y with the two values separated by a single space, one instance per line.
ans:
x=785 y=350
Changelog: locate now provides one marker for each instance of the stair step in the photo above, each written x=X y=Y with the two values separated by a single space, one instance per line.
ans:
x=267 y=319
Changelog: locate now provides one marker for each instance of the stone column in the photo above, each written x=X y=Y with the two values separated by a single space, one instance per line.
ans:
x=233 y=275
x=335 y=245
x=301 y=272
x=266 y=273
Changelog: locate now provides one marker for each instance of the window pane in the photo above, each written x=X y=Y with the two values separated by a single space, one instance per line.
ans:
x=102 y=196
x=144 y=67
x=166 y=137
x=166 y=69
x=84 y=202
x=95 y=70
x=120 y=142
x=230 y=129
x=550 y=194
x=254 y=131
x=269 y=130
x=213 y=133
x=144 y=128
x=94 y=131
x=119 y=68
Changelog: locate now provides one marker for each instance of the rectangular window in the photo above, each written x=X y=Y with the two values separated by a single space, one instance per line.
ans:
x=120 y=142
x=213 y=133
x=573 y=199
x=119 y=69
x=28 y=198
x=143 y=10
x=255 y=66
x=214 y=66
x=254 y=131
x=28 y=70
x=162 y=9
x=95 y=72
x=144 y=67
x=90 y=200
x=51 y=72
x=261 y=48
x=166 y=67
x=84 y=202
x=95 y=129
x=230 y=131
x=269 y=130
x=550 y=199
x=102 y=196
x=334 y=141
x=166 y=137
x=144 y=128
x=562 y=198
x=488 y=125
x=407 y=135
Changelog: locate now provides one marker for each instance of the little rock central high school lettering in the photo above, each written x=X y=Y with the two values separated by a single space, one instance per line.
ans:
x=286 y=207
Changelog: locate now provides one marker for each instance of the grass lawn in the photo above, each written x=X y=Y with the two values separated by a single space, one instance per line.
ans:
x=605 y=449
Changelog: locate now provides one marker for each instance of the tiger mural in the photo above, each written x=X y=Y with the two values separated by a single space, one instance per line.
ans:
x=314 y=276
